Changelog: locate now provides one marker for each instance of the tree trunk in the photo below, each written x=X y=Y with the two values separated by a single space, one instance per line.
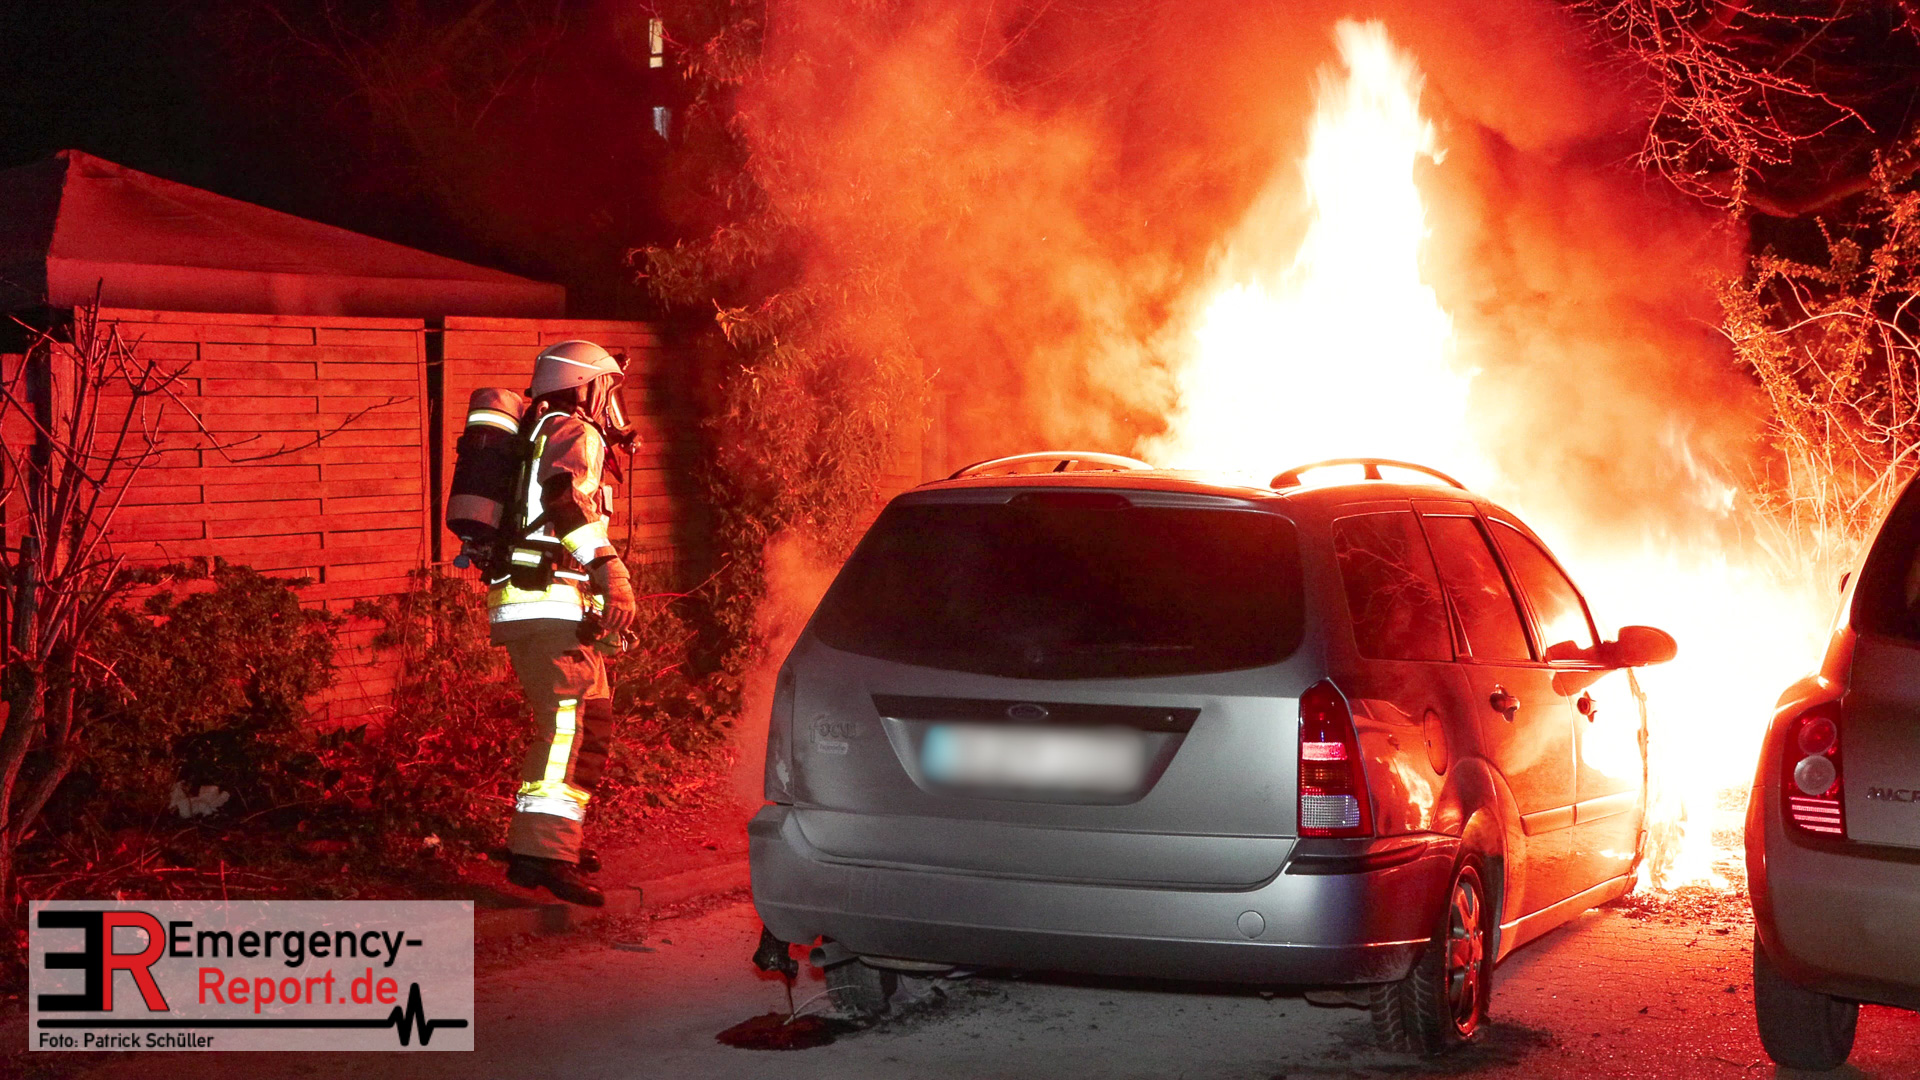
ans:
x=13 y=750
x=61 y=748
x=36 y=800
x=22 y=682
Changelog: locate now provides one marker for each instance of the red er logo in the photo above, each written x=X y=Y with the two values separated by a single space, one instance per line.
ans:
x=99 y=961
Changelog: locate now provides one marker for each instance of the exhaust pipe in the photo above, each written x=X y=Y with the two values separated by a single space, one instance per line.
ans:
x=830 y=953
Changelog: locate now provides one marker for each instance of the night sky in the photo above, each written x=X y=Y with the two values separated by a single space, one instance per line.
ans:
x=533 y=152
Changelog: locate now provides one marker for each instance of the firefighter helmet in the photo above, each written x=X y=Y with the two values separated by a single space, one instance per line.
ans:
x=570 y=364
x=595 y=375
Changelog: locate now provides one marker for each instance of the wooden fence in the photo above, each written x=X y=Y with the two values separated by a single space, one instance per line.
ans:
x=327 y=446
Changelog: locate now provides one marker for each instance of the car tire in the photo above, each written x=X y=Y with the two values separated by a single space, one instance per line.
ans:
x=1800 y=1028
x=1442 y=1002
x=863 y=992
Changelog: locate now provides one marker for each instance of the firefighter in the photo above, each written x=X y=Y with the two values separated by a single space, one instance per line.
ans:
x=559 y=576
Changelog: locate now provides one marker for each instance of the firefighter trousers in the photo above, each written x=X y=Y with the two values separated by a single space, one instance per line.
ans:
x=566 y=684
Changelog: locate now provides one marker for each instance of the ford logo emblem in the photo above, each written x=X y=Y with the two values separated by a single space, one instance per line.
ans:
x=1027 y=711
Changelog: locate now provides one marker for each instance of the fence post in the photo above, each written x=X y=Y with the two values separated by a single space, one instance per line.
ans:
x=436 y=410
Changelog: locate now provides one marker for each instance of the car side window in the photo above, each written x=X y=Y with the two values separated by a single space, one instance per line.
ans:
x=1565 y=633
x=1471 y=576
x=1393 y=594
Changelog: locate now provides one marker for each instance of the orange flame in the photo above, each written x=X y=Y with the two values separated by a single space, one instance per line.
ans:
x=1344 y=350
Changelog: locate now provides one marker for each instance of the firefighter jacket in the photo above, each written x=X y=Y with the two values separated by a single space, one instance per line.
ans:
x=545 y=573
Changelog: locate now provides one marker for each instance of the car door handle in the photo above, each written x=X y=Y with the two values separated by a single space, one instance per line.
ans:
x=1503 y=703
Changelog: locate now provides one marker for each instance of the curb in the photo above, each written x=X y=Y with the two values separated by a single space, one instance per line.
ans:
x=558 y=918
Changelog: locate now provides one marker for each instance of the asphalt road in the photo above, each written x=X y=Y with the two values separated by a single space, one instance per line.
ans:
x=1660 y=991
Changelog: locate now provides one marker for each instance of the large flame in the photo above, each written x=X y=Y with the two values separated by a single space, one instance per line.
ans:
x=1344 y=351
x=1333 y=345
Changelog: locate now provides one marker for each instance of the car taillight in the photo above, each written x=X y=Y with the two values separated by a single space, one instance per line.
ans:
x=1333 y=789
x=1810 y=771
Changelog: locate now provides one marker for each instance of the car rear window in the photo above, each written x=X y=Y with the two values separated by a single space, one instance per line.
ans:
x=1887 y=597
x=1069 y=587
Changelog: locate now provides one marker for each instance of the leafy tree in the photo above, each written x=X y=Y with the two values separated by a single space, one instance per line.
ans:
x=813 y=389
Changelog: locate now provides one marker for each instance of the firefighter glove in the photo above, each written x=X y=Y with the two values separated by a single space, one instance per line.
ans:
x=610 y=580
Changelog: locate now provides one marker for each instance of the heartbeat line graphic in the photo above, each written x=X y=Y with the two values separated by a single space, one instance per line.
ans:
x=415 y=1015
x=404 y=1022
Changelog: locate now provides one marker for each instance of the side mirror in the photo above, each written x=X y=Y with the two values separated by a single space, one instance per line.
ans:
x=1639 y=646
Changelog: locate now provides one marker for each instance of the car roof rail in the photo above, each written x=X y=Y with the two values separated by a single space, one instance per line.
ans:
x=1067 y=460
x=1291 y=478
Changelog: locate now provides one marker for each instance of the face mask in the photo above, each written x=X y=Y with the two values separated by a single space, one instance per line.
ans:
x=614 y=420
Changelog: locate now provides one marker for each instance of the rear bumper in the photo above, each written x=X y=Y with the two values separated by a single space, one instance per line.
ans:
x=1315 y=928
x=1838 y=918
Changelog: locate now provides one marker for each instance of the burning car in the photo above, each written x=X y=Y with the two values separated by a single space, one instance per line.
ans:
x=1833 y=821
x=1360 y=737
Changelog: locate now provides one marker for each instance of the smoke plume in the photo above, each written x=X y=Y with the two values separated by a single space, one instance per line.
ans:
x=1054 y=185
x=1059 y=189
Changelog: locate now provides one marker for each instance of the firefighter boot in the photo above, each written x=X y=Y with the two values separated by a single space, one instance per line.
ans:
x=562 y=879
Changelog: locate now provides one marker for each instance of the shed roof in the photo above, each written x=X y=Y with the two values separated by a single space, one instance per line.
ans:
x=74 y=222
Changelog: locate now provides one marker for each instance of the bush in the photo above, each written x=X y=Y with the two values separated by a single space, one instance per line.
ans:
x=208 y=681
x=445 y=762
x=672 y=743
x=206 y=686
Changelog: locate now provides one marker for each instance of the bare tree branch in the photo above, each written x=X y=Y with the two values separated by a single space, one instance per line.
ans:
x=1718 y=118
x=95 y=410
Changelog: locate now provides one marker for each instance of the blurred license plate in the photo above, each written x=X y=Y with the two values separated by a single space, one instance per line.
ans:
x=1050 y=759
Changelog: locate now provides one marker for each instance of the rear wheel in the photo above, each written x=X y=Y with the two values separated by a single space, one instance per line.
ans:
x=861 y=991
x=1443 y=1001
x=1801 y=1029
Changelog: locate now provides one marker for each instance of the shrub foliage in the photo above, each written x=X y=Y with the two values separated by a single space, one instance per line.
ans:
x=444 y=763
x=208 y=686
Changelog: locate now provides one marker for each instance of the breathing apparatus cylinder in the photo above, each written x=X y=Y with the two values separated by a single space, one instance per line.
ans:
x=486 y=464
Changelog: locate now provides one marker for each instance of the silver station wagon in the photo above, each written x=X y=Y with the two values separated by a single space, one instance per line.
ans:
x=1833 y=822
x=1359 y=737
